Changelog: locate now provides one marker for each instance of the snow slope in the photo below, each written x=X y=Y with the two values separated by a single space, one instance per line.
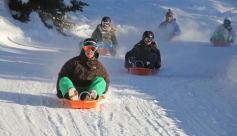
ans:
x=194 y=93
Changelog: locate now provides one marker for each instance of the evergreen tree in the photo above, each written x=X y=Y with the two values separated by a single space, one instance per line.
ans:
x=54 y=10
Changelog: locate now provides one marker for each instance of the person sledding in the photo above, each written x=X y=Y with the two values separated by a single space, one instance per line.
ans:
x=104 y=35
x=224 y=32
x=83 y=77
x=144 y=54
x=169 y=29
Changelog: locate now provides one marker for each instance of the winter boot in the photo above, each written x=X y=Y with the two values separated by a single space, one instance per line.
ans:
x=214 y=37
x=91 y=95
x=147 y=64
x=73 y=94
x=88 y=95
x=139 y=64
x=223 y=37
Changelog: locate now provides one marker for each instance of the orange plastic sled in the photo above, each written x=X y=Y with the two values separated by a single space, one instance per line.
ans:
x=220 y=43
x=82 y=104
x=103 y=51
x=174 y=38
x=141 y=71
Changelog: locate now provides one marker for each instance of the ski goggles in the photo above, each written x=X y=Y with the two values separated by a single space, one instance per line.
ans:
x=148 y=39
x=105 y=23
x=227 y=22
x=169 y=16
x=88 y=48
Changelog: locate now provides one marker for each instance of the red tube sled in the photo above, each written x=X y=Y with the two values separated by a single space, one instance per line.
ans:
x=82 y=104
x=103 y=51
x=141 y=71
x=221 y=43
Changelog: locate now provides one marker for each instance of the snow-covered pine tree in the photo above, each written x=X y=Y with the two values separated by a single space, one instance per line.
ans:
x=54 y=10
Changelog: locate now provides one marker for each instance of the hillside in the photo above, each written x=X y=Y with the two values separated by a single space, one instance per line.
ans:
x=194 y=93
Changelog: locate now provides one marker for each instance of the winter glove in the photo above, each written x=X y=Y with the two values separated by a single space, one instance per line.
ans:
x=130 y=62
x=172 y=34
x=157 y=65
x=132 y=59
x=231 y=41
x=113 y=51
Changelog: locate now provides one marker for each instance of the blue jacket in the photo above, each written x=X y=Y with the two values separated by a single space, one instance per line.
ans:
x=166 y=28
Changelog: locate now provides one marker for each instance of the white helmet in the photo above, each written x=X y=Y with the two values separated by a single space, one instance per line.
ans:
x=228 y=18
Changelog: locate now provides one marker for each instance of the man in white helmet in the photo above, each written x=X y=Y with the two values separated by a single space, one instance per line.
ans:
x=224 y=32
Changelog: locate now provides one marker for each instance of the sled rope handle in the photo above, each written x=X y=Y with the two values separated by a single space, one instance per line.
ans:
x=84 y=92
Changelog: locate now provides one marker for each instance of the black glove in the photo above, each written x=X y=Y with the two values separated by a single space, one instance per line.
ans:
x=172 y=34
x=131 y=61
x=113 y=51
x=157 y=65
x=132 y=58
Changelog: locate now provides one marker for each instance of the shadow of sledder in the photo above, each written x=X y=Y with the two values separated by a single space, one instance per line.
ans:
x=32 y=100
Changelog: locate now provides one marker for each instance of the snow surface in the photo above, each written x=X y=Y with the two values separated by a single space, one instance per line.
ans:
x=194 y=93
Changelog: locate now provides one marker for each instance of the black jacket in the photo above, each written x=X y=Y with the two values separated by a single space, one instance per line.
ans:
x=140 y=51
